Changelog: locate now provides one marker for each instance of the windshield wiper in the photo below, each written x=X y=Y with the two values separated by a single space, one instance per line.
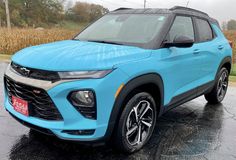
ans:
x=107 y=42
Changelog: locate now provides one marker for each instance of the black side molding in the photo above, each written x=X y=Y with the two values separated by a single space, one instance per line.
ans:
x=189 y=95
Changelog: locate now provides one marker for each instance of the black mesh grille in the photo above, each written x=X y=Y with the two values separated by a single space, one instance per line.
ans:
x=88 y=112
x=35 y=73
x=40 y=104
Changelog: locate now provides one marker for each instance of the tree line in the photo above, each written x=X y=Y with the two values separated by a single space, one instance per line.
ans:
x=230 y=25
x=46 y=13
x=51 y=13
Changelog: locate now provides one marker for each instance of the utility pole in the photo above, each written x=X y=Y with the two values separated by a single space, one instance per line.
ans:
x=7 y=14
x=144 y=5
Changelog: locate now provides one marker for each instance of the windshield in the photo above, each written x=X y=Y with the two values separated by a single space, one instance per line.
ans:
x=127 y=29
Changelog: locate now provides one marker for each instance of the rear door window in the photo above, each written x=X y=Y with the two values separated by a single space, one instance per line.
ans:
x=204 y=30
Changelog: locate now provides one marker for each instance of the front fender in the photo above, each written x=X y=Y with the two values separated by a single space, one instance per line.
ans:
x=127 y=89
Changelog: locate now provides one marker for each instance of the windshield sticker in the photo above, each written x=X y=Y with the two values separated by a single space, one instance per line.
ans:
x=161 y=18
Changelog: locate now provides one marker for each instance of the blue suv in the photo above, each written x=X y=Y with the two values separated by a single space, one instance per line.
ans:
x=115 y=78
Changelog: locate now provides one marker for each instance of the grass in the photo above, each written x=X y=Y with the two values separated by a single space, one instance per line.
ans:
x=4 y=57
x=232 y=78
x=233 y=72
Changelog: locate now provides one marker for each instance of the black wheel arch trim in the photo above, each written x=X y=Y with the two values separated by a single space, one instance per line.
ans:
x=225 y=60
x=152 y=78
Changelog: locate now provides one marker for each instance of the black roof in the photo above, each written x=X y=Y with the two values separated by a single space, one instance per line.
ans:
x=174 y=10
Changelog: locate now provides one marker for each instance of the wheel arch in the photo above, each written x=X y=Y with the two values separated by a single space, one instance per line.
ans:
x=154 y=84
x=227 y=63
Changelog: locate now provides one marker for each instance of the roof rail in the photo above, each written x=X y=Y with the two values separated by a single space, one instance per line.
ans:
x=187 y=9
x=122 y=8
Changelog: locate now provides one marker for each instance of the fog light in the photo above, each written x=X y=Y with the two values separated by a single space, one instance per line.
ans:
x=83 y=98
x=84 y=101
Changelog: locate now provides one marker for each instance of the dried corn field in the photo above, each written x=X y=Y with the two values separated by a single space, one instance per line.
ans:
x=231 y=35
x=16 y=39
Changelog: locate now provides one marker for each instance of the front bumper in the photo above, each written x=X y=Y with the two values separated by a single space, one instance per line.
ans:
x=105 y=90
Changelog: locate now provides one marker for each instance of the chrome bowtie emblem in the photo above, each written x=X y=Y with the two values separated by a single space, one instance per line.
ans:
x=25 y=71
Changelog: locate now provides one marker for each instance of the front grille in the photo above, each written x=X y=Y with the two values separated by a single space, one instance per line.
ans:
x=35 y=73
x=40 y=104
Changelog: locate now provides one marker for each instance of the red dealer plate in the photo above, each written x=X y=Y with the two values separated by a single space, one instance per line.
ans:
x=20 y=105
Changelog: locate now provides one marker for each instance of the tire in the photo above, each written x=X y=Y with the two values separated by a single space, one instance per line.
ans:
x=139 y=116
x=219 y=90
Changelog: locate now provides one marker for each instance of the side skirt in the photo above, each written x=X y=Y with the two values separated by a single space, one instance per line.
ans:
x=188 y=96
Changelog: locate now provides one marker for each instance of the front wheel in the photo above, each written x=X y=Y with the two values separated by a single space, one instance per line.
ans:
x=218 y=93
x=136 y=123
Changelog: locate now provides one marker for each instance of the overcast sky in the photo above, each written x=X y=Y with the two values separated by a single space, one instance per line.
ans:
x=220 y=9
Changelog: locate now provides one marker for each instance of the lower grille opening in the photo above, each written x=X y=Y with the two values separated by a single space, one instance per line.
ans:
x=39 y=129
x=40 y=104
x=79 y=132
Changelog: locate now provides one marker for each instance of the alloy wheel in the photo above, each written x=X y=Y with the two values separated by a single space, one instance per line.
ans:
x=222 y=86
x=139 y=123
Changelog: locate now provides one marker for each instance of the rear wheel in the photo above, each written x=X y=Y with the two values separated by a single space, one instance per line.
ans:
x=218 y=93
x=136 y=123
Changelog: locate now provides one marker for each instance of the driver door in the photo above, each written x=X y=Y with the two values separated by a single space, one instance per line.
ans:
x=185 y=61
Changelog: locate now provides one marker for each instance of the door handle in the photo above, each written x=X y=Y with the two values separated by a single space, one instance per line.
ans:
x=196 y=51
x=220 y=47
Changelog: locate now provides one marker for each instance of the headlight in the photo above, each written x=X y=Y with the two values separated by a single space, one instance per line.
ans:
x=84 y=74
x=85 y=102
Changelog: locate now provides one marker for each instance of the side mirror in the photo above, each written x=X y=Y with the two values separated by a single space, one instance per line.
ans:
x=181 y=42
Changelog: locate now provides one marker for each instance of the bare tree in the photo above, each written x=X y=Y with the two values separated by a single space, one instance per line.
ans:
x=0 y=15
x=7 y=14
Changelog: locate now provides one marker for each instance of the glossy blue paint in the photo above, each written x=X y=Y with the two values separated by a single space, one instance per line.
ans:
x=73 y=55
x=181 y=70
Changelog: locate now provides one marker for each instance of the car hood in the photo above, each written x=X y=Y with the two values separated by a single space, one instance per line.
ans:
x=71 y=55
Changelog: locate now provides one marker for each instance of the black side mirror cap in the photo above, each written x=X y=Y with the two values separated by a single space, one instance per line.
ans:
x=181 y=42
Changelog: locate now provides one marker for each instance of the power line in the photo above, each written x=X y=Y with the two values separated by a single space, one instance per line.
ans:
x=187 y=3
x=133 y=3
x=116 y=4
x=119 y=5
x=112 y=3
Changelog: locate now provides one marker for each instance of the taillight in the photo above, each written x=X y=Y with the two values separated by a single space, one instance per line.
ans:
x=231 y=44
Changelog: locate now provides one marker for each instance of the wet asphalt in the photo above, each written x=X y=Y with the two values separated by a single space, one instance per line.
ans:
x=193 y=131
